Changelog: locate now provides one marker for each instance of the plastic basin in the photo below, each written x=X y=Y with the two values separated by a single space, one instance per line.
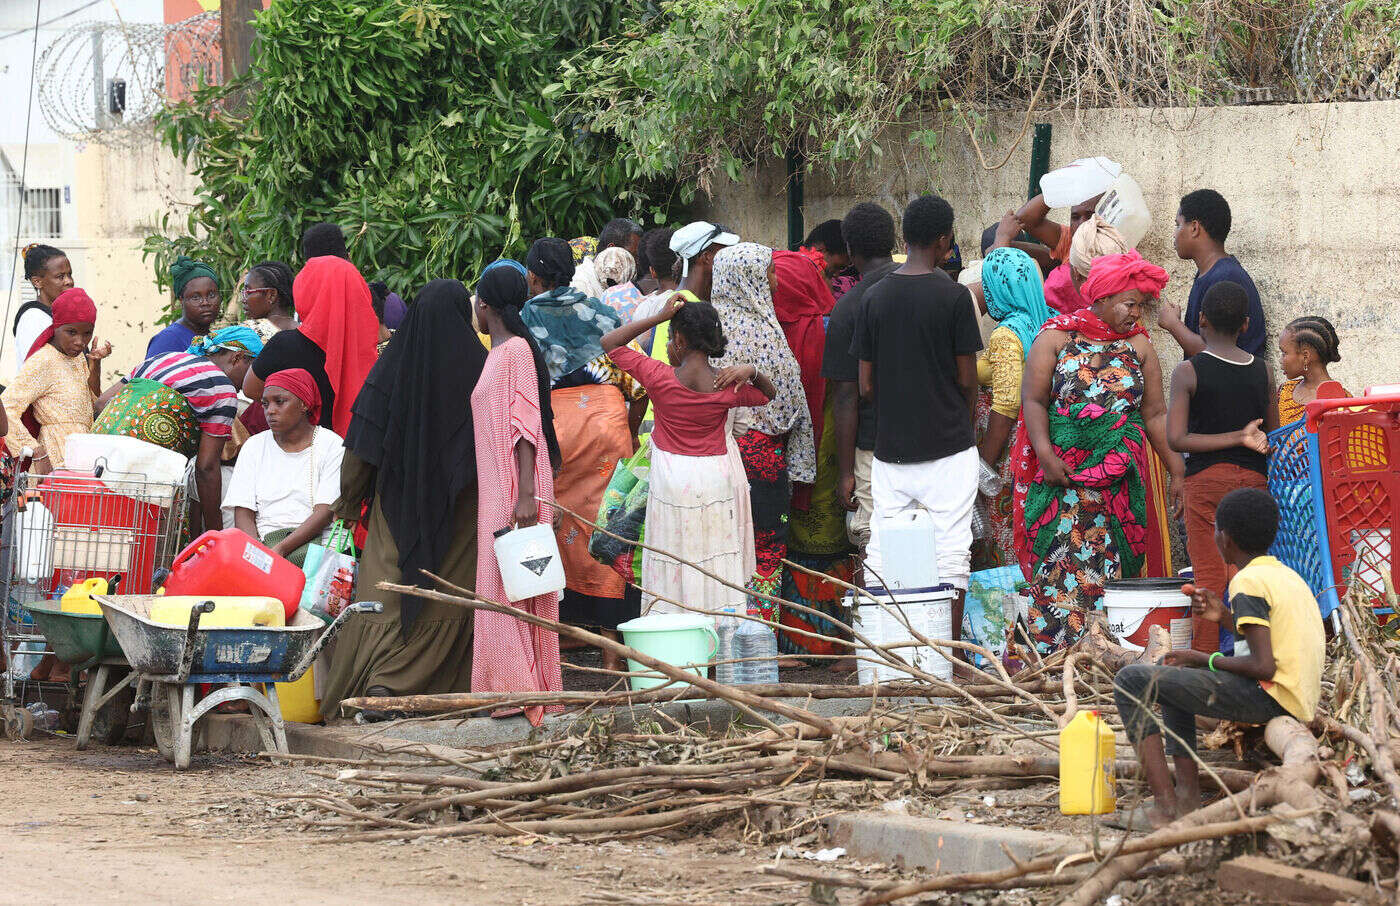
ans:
x=681 y=639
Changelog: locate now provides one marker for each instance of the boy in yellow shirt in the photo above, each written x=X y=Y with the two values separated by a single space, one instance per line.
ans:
x=1276 y=668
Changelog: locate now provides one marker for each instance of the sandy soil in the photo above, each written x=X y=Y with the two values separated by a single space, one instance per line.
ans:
x=118 y=825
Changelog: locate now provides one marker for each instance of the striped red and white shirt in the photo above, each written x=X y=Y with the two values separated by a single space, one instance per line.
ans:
x=207 y=389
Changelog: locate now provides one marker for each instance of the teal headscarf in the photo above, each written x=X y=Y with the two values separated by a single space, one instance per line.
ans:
x=184 y=269
x=234 y=337
x=568 y=326
x=1015 y=294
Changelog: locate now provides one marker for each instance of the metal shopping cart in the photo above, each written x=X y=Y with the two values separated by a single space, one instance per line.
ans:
x=64 y=527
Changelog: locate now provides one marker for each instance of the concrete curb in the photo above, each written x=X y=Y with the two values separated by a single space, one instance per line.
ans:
x=939 y=846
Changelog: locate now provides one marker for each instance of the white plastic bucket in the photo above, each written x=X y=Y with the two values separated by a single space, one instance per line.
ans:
x=681 y=639
x=1133 y=606
x=928 y=611
x=125 y=459
x=903 y=551
x=529 y=561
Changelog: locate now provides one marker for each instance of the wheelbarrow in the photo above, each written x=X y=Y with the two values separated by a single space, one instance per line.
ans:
x=84 y=641
x=172 y=661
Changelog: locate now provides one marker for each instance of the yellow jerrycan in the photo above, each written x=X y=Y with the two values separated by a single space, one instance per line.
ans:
x=78 y=598
x=1086 y=766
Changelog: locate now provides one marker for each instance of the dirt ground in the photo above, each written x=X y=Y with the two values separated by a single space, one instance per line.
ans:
x=118 y=825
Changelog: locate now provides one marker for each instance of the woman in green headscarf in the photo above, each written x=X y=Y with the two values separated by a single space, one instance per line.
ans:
x=197 y=290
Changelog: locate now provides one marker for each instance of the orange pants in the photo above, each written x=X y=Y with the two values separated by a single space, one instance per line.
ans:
x=1203 y=493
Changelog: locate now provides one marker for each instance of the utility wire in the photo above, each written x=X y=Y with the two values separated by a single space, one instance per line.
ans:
x=59 y=18
x=23 y=173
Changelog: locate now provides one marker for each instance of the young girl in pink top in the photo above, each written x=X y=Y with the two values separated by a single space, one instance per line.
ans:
x=698 y=505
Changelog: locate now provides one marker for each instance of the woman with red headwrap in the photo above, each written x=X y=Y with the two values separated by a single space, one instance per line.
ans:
x=58 y=383
x=287 y=478
x=1091 y=402
x=336 y=342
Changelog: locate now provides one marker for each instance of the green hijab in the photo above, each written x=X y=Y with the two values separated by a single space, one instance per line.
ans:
x=184 y=269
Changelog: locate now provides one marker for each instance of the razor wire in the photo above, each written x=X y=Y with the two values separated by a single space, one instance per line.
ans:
x=147 y=64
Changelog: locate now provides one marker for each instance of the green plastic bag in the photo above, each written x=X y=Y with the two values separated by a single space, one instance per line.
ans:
x=623 y=512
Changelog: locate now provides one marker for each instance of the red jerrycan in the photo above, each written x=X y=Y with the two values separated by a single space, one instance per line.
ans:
x=230 y=562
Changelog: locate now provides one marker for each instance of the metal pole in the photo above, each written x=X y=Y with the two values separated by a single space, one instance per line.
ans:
x=99 y=84
x=795 y=166
x=1040 y=157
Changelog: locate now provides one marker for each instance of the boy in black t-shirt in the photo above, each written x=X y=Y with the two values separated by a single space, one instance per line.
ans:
x=869 y=233
x=917 y=339
x=1219 y=413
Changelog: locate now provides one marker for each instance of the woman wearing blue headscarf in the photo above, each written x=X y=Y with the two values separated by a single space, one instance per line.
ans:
x=1015 y=297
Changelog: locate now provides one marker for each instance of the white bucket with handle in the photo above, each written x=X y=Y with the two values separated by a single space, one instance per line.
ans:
x=1134 y=606
x=894 y=618
x=529 y=561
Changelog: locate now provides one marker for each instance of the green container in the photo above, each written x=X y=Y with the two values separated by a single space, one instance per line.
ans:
x=75 y=638
x=681 y=639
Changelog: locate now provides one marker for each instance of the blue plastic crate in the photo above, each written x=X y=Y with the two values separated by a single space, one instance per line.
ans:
x=1295 y=481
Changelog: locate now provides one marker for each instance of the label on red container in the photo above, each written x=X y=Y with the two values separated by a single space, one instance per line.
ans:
x=260 y=559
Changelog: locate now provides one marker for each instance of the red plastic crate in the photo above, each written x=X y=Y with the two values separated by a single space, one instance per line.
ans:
x=100 y=532
x=1359 y=454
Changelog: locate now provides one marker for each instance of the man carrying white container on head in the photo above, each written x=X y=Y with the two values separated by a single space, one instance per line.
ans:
x=917 y=340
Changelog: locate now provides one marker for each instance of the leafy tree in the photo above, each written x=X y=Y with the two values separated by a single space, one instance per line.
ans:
x=421 y=126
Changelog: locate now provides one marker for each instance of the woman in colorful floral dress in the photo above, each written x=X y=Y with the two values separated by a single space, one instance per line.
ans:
x=1092 y=401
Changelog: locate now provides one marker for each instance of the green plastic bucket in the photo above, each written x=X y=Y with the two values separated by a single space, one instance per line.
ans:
x=681 y=639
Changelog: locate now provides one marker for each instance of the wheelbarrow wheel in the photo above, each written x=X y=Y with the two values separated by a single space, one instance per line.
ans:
x=19 y=723
x=165 y=718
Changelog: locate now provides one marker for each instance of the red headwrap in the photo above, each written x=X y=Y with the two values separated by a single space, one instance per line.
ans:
x=73 y=306
x=801 y=299
x=1112 y=274
x=333 y=302
x=300 y=384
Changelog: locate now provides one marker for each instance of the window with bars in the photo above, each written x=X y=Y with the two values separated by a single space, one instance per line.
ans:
x=43 y=213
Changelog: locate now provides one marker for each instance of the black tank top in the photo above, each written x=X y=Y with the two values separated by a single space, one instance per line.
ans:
x=1228 y=396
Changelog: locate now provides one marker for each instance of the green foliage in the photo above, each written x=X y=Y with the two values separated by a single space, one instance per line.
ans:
x=707 y=87
x=423 y=127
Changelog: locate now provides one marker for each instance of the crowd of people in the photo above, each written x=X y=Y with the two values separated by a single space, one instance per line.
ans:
x=775 y=407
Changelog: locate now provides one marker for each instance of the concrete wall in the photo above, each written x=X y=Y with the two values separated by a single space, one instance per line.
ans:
x=1313 y=190
x=119 y=196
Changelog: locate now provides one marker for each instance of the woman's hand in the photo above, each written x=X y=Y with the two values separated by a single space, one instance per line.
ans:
x=1056 y=471
x=527 y=510
x=280 y=548
x=1186 y=657
x=1252 y=436
x=39 y=464
x=735 y=374
x=99 y=351
x=1008 y=229
x=673 y=305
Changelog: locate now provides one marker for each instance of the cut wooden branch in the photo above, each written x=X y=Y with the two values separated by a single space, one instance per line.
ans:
x=734 y=694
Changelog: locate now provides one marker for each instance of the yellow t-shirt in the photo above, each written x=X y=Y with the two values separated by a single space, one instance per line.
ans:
x=1267 y=593
x=1000 y=368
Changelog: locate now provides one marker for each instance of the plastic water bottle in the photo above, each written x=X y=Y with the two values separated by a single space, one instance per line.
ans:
x=45 y=718
x=757 y=646
x=725 y=669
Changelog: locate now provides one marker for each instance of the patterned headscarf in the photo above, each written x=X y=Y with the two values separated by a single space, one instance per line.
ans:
x=568 y=326
x=1015 y=297
x=614 y=265
x=1094 y=239
x=583 y=247
x=237 y=336
x=744 y=300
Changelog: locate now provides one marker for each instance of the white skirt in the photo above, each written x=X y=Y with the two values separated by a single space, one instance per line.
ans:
x=698 y=509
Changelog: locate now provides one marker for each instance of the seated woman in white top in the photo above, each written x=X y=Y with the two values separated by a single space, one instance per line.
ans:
x=287 y=478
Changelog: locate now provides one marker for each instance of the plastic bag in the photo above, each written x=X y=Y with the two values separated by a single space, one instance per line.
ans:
x=331 y=570
x=623 y=512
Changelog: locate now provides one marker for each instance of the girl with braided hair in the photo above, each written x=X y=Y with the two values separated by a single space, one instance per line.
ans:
x=1306 y=347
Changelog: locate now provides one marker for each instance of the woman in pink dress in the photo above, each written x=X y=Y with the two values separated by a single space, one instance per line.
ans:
x=511 y=421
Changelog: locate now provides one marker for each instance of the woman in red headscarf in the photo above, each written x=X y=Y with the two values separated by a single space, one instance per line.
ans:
x=802 y=300
x=336 y=341
x=287 y=478
x=1091 y=403
x=58 y=383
